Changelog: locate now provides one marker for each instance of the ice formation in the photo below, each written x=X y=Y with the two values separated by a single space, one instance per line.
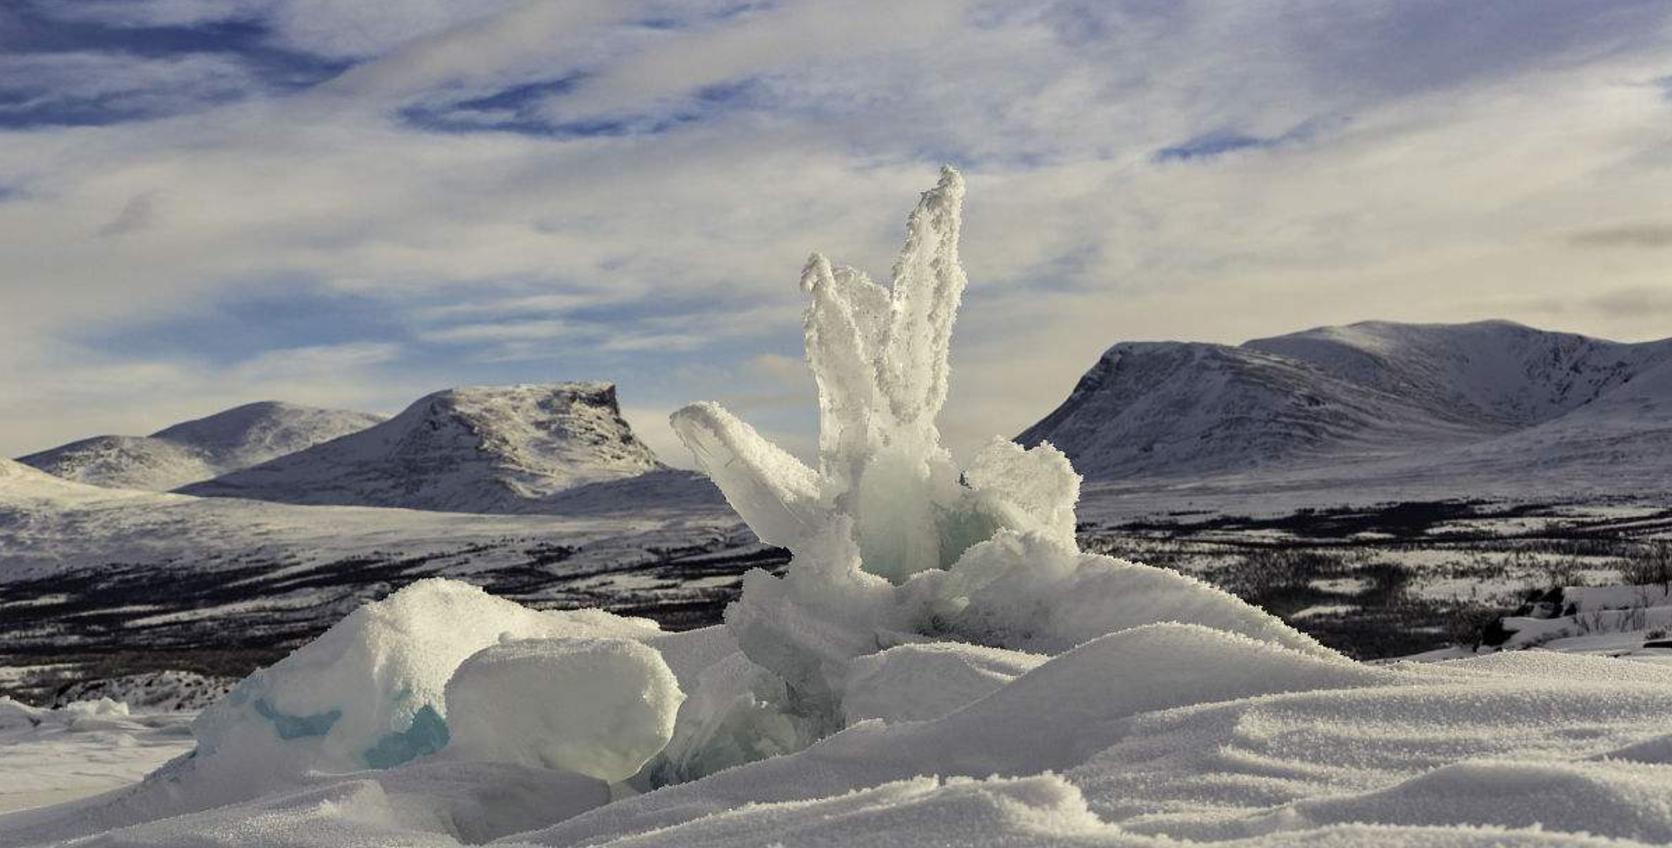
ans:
x=370 y=692
x=893 y=543
x=598 y=707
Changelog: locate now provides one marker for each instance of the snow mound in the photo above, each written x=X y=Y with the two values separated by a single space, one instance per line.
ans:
x=927 y=680
x=198 y=450
x=598 y=707
x=470 y=449
x=370 y=692
x=1617 y=800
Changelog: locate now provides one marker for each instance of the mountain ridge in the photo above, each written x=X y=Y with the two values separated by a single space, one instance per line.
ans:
x=1360 y=394
x=198 y=449
x=498 y=449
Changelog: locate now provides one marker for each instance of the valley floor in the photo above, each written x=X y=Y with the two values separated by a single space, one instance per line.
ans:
x=220 y=587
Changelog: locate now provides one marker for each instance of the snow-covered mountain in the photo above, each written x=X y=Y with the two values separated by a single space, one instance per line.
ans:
x=492 y=449
x=19 y=479
x=201 y=449
x=1385 y=399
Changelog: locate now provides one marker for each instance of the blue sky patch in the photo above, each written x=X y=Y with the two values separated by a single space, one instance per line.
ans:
x=1212 y=144
x=1222 y=141
x=51 y=78
x=250 y=320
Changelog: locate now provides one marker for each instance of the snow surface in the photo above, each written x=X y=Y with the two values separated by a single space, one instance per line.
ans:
x=198 y=450
x=86 y=748
x=939 y=665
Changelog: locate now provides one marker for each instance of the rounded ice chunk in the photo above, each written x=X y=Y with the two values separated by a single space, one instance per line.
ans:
x=368 y=692
x=598 y=707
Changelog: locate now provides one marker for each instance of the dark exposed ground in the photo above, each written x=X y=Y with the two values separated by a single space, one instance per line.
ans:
x=1373 y=583
x=124 y=618
x=1401 y=578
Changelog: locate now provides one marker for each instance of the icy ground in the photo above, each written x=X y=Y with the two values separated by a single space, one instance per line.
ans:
x=1391 y=580
x=52 y=756
x=940 y=663
x=97 y=581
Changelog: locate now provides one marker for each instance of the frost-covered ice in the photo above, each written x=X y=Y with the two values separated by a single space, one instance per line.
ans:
x=939 y=665
x=371 y=692
x=598 y=707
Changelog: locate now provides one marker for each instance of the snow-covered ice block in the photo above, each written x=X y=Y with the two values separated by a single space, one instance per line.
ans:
x=598 y=707
x=689 y=652
x=737 y=713
x=368 y=693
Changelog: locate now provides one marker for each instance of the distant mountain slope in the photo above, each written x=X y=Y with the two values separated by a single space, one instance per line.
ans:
x=1485 y=374
x=125 y=462
x=494 y=449
x=17 y=477
x=200 y=449
x=1378 y=394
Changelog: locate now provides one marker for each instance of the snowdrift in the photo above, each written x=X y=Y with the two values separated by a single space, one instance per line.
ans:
x=939 y=665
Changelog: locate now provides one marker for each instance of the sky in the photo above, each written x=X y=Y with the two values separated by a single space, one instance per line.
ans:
x=352 y=203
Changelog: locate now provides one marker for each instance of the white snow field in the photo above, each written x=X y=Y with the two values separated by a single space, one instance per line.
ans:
x=939 y=665
x=87 y=748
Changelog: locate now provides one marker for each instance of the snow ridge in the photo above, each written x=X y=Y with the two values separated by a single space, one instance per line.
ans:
x=471 y=449
x=1416 y=396
x=200 y=449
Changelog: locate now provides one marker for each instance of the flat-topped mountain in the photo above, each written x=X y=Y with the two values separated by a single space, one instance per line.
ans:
x=198 y=450
x=1499 y=395
x=471 y=449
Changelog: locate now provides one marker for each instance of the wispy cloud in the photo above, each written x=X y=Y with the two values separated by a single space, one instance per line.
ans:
x=1645 y=235
x=91 y=88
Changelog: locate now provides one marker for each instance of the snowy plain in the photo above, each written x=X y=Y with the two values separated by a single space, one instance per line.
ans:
x=940 y=663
